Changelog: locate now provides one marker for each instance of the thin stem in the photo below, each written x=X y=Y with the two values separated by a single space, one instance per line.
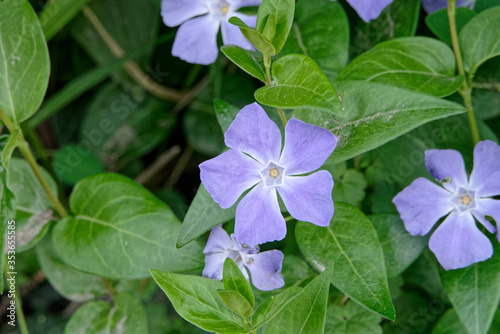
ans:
x=344 y=300
x=466 y=89
x=179 y=168
x=269 y=82
x=21 y=320
x=160 y=163
x=495 y=86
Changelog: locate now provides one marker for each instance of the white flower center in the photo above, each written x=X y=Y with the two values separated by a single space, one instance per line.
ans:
x=464 y=199
x=220 y=9
x=272 y=175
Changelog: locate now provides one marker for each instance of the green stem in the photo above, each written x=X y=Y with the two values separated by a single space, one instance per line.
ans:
x=269 y=82
x=21 y=320
x=466 y=90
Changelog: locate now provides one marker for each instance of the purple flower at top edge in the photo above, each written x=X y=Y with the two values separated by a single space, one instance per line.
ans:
x=196 y=39
x=431 y=6
x=255 y=160
x=457 y=242
x=369 y=9
x=264 y=267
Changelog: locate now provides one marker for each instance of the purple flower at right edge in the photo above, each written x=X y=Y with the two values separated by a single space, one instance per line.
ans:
x=457 y=242
x=431 y=6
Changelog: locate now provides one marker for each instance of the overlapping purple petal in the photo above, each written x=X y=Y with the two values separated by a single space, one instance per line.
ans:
x=447 y=167
x=369 y=9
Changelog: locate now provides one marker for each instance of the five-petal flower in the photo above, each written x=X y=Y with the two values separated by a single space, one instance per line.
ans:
x=255 y=160
x=457 y=242
x=264 y=267
x=196 y=39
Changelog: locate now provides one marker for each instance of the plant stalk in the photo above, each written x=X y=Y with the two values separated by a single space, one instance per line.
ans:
x=269 y=82
x=21 y=320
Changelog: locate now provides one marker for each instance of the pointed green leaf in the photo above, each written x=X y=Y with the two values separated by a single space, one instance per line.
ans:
x=226 y=113
x=234 y=280
x=439 y=23
x=273 y=305
x=449 y=324
x=418 y=63
x=475 y=292
x=120 y=231
x=24 y=60
x=269 y=24
x=351 y=243
x=351 y=319
x=254 y=37
x=308 y=311
x=236 y=302
x=246 y=60
x=298 y=82
x=283 y=11
x=196 y=300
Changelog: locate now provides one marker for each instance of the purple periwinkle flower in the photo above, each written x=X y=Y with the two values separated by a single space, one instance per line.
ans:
x=457 y=242
x=369 y=9
x=256 y=160
x=264 y=267
x=431 y=6
x=196 y=39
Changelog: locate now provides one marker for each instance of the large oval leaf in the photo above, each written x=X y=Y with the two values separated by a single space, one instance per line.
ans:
x=351 y=243
x=374 y=114
x=24 y=60
x=418 y=63
x=120 y=231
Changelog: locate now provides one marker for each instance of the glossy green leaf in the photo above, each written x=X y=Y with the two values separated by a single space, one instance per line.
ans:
x=34 y=210
x=418 y=63
x=351 y=319
x=449 y=324
x=254 y=37
x=439 y=23
x=320 y=31
x=68 y=170
x=298 y=82
x=246 y=60
x=374 y=114
x=273 y=305
x=226 y=113
x=72 y=284
x=57 y=13
x=24 y=58
x=236 y=302
x=125 y=316
x=400 y=248
x=351 y=243
x=120 y=231
x=234 y=280
x=197 y=301
x=203 y=132
x=203 y=214
x=283 y=11
x=308 y=311
x=479 y=39
x=474 y=292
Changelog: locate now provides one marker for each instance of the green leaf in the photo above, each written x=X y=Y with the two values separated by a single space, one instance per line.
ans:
x=246 y=60
x=400 y=248
x=273 y=305
x=283 y=11
x=481 y=5
x=71 y=166
x=298 y=82
x=197 y=301
x=34 y=210
x=374 y=114
x=320 y=31
x=203 y=214
x=474 y=292
x=449 y=324
x=56 y=14
x=439 y=23
x=8 y=144
x=120 y=231
x=226 y=113
x=234 y=280
x=254 y=37
x=236 y=302
x=351 y=243
x=70 y=283
x=351 y=319
x=350 y=184
x=418 y=63
x=203 y=132
x=308 y=311
x=96 y=317
x=479 y=39
x=24 y=58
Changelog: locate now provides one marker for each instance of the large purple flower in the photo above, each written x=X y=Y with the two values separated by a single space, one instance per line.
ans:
x=196 y=39
x=457 y=242
x=264 y=267
x=255 y=160
x=431 y=6
x=369 y=9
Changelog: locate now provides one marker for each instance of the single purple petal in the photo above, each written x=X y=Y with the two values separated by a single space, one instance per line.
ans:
x=196 y=40
x=421 y=204
x=175 y=12
x=258 y=217
x=218 y=241
x=485 y=177
x=458 y=243
x=488 y=207
x=369 y=9
x=231 y=34
x=431 y=6
x=309 y=198
x=253 y=132
x=214 y=264
x=237 y=4
x=306 y=147
x=228 y=175
x=265 y=270
x=447 y=167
